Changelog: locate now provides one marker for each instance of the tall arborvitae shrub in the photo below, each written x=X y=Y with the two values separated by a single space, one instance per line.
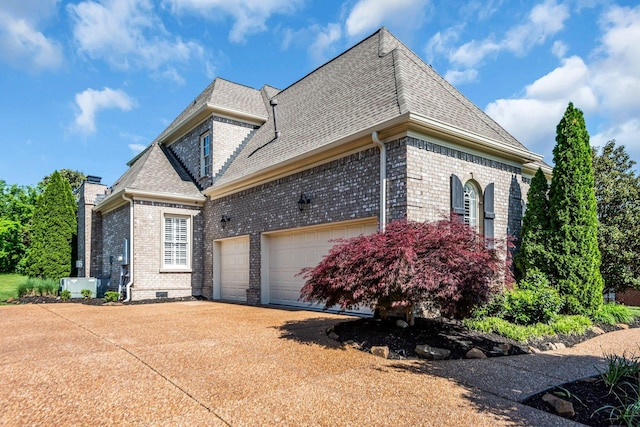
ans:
x=534 y=244
x=53 y=228
x=575 y=257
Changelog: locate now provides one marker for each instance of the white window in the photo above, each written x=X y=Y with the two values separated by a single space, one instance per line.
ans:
x=205 y=154
x=471 y=205
x=176 y=242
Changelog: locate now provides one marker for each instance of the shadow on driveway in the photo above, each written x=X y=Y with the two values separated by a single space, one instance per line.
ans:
x=310 y=331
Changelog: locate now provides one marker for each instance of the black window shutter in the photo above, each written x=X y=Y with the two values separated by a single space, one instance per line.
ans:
x=489 y=212
x=457 y=196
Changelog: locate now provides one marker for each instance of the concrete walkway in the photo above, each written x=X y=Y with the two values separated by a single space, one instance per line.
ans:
x=206 y=363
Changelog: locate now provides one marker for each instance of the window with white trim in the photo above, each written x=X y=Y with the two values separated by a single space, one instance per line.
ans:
x=471 y=205
x=176 y=242
x=205 y=154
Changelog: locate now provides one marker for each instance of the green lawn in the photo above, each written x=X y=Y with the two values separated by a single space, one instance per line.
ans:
x=9 y=285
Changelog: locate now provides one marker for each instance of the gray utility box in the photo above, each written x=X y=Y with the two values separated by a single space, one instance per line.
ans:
x=76 y=284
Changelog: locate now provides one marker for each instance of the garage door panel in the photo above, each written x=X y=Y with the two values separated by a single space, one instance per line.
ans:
x=234 y=269
x=292 y=251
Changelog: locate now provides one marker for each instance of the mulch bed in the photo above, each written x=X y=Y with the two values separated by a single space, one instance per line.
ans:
x=442 y=333
x=92 y=301
x=590 y=398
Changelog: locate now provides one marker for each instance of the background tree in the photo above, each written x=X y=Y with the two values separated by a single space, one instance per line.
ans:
x=53 y=228
x=617 y=190
x=75 y=179
x=409 y=263
x=534 y=236
x=575 y=257
x=16 y=209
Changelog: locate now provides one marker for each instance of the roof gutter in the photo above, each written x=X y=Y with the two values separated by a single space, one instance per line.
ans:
x=383 y=180
x=131 y=257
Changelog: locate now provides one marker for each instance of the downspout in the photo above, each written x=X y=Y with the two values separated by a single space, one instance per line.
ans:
x=383 y=180
x=130 y=282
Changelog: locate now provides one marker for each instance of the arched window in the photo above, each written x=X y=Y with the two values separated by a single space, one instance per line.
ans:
x=471 y=205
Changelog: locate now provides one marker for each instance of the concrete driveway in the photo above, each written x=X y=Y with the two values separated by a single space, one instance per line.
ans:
x=208 y=363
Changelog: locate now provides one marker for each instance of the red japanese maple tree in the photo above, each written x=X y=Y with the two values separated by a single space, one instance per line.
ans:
x=446 y=262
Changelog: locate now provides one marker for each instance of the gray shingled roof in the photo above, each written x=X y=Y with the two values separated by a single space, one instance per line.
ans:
x=155 y=171
x=224 y=94
x=375 y=81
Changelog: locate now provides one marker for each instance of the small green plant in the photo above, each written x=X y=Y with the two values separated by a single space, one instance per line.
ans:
x=38 y=287
x=561 y=325
x=111 y=296
x=532 y=301
x=65 y=295
x=86 y=293
x=628 y=412
x=619 y=367
x=613 y=313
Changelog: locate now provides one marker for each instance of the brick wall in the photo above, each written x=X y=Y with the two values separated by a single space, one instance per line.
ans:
x=418 y=188
x=227 y=135
x=429 y=168
x=149 y=276
x=86 y=202
x=115 y=228
x=341 y=190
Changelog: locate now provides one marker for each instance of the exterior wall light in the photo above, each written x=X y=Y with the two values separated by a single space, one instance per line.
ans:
x=224 y=220
x=303 y=202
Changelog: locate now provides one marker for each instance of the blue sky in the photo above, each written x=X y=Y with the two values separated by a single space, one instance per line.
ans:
x=86 y=85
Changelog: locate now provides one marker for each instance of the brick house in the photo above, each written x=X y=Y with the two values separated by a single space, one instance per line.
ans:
x=248 y=186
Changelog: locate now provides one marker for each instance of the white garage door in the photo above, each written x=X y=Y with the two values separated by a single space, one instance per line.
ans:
x=234 y=269
x=290 y=252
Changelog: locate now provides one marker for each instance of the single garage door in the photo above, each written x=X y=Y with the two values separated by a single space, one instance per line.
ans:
x=291 y=251
x=234 y=269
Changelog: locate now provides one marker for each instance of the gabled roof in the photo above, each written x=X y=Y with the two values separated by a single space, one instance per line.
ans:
x=221 y=95
x=156 y=173
x=371 y=84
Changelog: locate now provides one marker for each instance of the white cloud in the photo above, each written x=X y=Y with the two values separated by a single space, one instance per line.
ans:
x=91 y=101
x=607 y=89
x=531 y=121
x=456 y=77
x=368 y=15
x=137 y=148
x=472 y=53
x=559 y=49
x=441 y=42
x=127 y=33
x=483 y=9
x=324 y=42
x=533 y=118
x=617 y=71
x=544 y=20
x=22 y=43
x=250 y=16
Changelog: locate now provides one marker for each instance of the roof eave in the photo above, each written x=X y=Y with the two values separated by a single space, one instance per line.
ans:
x=115 y=200
x=532 y=168
x=158 y=195
x=476 y=141
x=206 y=110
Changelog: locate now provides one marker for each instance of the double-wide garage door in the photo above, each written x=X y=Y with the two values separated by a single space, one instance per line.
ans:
x=284 y=255
x=291 y=251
